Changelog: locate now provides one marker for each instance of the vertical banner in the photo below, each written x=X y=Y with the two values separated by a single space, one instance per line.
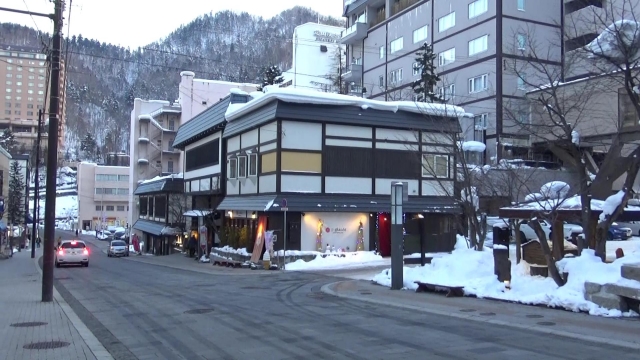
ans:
x=259 y=243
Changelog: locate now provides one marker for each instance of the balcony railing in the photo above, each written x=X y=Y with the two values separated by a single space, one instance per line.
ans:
x=401 y=5
x=380 y=17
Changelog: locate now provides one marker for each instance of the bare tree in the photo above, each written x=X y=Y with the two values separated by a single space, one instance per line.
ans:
x=558 y=114
x=177 y=209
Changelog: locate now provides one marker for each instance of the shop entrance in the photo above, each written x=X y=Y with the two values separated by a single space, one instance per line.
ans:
x=384 y=233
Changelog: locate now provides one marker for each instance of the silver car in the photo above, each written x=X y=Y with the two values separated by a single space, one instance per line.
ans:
x=118 y=248
x=72 y=252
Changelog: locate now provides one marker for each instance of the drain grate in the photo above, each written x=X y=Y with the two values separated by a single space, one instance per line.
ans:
x=29 y=324
x=467 y=310
x=44 y=345
x=198 y=311
x=487 y=314
x=365 y=293
x=63 y=278
x=546 y=323
x=535 y=316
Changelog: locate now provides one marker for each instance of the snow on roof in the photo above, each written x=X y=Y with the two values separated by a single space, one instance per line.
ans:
x=238 y=91
x=166 y=177
x=222 y=82
x=322 y=98
x=473 y=146
x=570 y=203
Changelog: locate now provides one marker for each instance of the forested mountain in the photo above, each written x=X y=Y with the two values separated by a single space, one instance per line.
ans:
x=103 y=79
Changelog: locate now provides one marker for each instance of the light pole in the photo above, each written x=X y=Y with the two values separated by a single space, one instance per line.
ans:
x=36 y=188
x=397 y=261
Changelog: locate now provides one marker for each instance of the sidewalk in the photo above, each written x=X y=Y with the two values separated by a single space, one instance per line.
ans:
x=613 y=331
x=20 y=299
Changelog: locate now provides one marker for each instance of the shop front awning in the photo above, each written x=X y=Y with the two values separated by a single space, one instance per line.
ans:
x=154 y=228
x=197 y=213
x=338 y=203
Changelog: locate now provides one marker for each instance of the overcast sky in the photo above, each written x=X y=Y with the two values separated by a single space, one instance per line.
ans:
x=136 y=23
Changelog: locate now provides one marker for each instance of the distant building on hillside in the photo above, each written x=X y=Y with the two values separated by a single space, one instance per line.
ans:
x=154 y=124
x=316 y=55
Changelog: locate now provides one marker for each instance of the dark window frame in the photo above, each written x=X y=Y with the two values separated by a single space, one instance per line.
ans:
x=197 y=158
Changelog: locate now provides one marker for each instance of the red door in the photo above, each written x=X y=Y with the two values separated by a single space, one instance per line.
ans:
x=384 y=233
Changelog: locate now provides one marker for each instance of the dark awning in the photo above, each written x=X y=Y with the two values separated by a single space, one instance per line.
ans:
x=150 y=227
x=338 y=203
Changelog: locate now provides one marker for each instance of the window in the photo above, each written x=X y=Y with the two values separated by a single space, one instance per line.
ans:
x=627 y=115
x=233 y=169
x=7 y=97
x=242 y=167
x=30 y=84
x=172 y=125
x=19 y=68
x=479 y=127
x=170 y=166
x=19 y=91
x=194 y=159
x=41 y=71
x=447 y=57
x=420 y=34
x=447 y=92
x=29 y=113
x=522 y=82
x=7 y=112
x=31 y=77
x=395 y=76
x=253 y=165
x=396 y=45
x=40 y=92
x=98 y=207
x=123 y=191
x=29 y=106
x=478 y=45
x=30 y=91
x=110 y=208
x=478 y=83
x=382 y=52
x=40 y=85
x=7 y=105
x=521 y=41
x=9 y=75
x=106 y=177
x=381 y=80
x=521 y=5
x=31 y=69
x=73 y=245
x=9 y=82
x=416 y=69
x=8 y=90
x=477 y=7
x=435 y=165
x=120 y=208
x=123 y=177
x=447 y=22
x=523 y=118
x=9 y=67
x=17 y=112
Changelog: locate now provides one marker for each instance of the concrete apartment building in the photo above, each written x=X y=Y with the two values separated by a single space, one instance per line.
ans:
x=5 y=169
x=23 y=72
x=154 y=124
x=103 y=195
x=474 y=42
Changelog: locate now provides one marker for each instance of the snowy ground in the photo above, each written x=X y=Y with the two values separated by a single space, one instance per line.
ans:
x=66 y=207
x=348 y=260
x=473 y=270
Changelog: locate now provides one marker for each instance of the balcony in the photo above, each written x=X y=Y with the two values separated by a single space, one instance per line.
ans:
x=585 y=21
x=353 y=73
x=354 y=33
x=143 y=140
x=401 y=5
x=143 y=162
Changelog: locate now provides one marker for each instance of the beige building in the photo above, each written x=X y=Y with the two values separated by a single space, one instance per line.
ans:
x=23 y=74
x=5 y=167
x=103 y=193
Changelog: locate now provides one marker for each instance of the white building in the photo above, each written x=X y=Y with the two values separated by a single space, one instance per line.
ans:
x=315 y=56
x=154 y=124
x=103 y=195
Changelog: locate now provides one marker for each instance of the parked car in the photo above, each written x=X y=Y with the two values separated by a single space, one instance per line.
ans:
x=118 y=248
x=633 y=225
x=72 y=252
x=618 y=232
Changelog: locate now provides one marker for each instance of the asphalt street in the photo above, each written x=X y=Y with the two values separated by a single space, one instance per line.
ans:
x=143 y=311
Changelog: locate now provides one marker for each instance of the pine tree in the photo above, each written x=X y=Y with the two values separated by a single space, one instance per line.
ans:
x=423 y=88
x=88 y=146
x=272 y=76
x=8 y=141
x=14 y=207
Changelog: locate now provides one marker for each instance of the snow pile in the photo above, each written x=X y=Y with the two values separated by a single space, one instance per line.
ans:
x=229 y=249
x=473 y=270
x=204 y=259
x=473 y=146
x=611 y=204
x=555 y=190
x=300 y=96
x=343 y=261
x=615 y=40
x=533 y=197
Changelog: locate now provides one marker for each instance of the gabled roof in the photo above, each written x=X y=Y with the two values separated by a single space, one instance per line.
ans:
x=207 y=122
x=175 y=185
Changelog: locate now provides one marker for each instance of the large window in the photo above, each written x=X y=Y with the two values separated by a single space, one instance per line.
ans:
x=447 y=57
x=395 y=76
x=106 y=177
x=382 y=52
x=202 y=156
x=242 y=167
x=123 y=177
x=416 y=69
x=420 y=34
x=253 y=165
x=479 y=127
x=521 y=41
x=446 y=22
x=123 y=191
x=396 y=45
x=478 y=83
x=478 y=45
x=447 y=92
x=232 y=172
x=435 y=166
x=521 y=5
x=144 y=204
x=477 y=7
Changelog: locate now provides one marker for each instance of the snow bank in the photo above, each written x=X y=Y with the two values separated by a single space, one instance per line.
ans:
x=555 y=190
x=473 y=270
x=611 y=204
x=339 y=261
x=229 y=249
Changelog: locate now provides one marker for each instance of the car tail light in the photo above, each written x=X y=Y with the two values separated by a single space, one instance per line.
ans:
x=86 y=252
x=61 y=252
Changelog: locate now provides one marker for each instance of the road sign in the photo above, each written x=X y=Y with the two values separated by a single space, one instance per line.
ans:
x=283 y=204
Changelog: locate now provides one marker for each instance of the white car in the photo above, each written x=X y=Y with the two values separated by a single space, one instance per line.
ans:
x=72 y=252
x=118 y=248
x=527 y=232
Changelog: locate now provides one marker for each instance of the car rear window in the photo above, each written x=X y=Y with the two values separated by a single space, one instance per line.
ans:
x=69 y=245
x=118 y=243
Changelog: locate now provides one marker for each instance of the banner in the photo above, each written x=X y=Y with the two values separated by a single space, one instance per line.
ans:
x=268 y=242
x=259 y=244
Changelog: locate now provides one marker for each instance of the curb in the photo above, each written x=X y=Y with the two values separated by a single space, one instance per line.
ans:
x=87 y=336
x=597 y=340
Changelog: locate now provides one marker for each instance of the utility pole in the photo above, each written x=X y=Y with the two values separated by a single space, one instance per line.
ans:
x=36 y=188
x=52 y=156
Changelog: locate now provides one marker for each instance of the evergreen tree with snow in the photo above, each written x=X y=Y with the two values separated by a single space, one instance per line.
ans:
x=88 y=146
x=8 y=141
x=424 y=87
x=14 y=205
x=272 y=76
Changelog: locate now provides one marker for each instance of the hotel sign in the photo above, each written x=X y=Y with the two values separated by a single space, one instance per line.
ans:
x=325 y=36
